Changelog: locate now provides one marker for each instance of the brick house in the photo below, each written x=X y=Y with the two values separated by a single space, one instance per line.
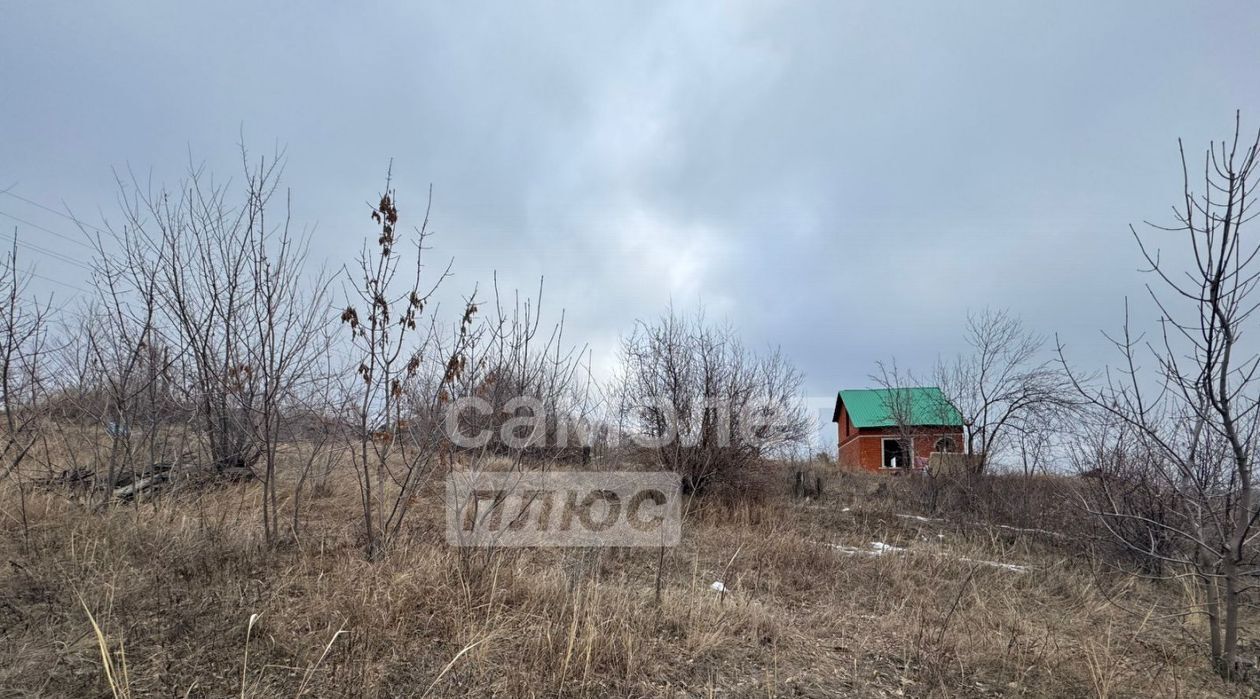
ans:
x=878 y=429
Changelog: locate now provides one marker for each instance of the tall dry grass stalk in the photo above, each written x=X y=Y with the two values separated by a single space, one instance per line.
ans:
x=115 y=671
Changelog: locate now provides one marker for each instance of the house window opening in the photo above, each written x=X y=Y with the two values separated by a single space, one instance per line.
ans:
x=895 y=455
x=946 y=445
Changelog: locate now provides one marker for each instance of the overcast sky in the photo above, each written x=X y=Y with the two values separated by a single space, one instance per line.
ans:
x=844 y=180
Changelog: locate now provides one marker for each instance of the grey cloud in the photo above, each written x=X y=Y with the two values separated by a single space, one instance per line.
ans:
x=843 y=180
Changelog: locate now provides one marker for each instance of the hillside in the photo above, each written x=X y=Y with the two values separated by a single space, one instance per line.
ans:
x=856 y=594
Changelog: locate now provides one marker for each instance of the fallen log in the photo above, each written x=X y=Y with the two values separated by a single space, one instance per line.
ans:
x=128 y=492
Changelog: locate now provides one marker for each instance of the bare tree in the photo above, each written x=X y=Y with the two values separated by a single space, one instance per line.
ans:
x=1004 y=387
x=197 y=246
x=205 y=315
x=117 y=380
x=391 y=345
x=911 y=422
x=318 y=439
x=911 y=419
x=287 y=337
x=1192 y=423
x=23 y=352
x=707 y=406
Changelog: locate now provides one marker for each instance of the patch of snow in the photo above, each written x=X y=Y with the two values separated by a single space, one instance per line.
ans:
x=1047 y=532
x=996 y=564
x=717 y=586
x=879 y=548
x=848 y=549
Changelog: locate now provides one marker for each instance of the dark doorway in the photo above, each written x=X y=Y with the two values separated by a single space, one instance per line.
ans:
x=894 y=454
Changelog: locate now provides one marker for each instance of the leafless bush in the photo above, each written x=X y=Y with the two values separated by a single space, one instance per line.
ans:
x=201 y=335
x=286 y=340
x=117 y=408
x=1117 y=474
x=526 y=393
x=524 y=402
x=205 y=268
x=113 y=416
x=708 y=408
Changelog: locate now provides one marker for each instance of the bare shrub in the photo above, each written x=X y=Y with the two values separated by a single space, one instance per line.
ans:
x=187 y=249
x=708 y=407
x=203 y=333
x=1132 y=505
x=526 y=394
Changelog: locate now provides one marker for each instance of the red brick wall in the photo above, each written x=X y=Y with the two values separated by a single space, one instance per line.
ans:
x=863 y=449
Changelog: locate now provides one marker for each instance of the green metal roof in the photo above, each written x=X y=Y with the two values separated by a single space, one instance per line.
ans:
x=919 y=406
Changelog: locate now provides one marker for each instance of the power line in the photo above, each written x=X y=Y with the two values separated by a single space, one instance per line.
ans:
x=46 y=230
x=60 y=257
x=68 y=285
x=53 y=211
x=51 y=253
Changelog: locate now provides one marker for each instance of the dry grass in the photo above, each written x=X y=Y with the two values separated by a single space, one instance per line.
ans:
x=179 y=597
